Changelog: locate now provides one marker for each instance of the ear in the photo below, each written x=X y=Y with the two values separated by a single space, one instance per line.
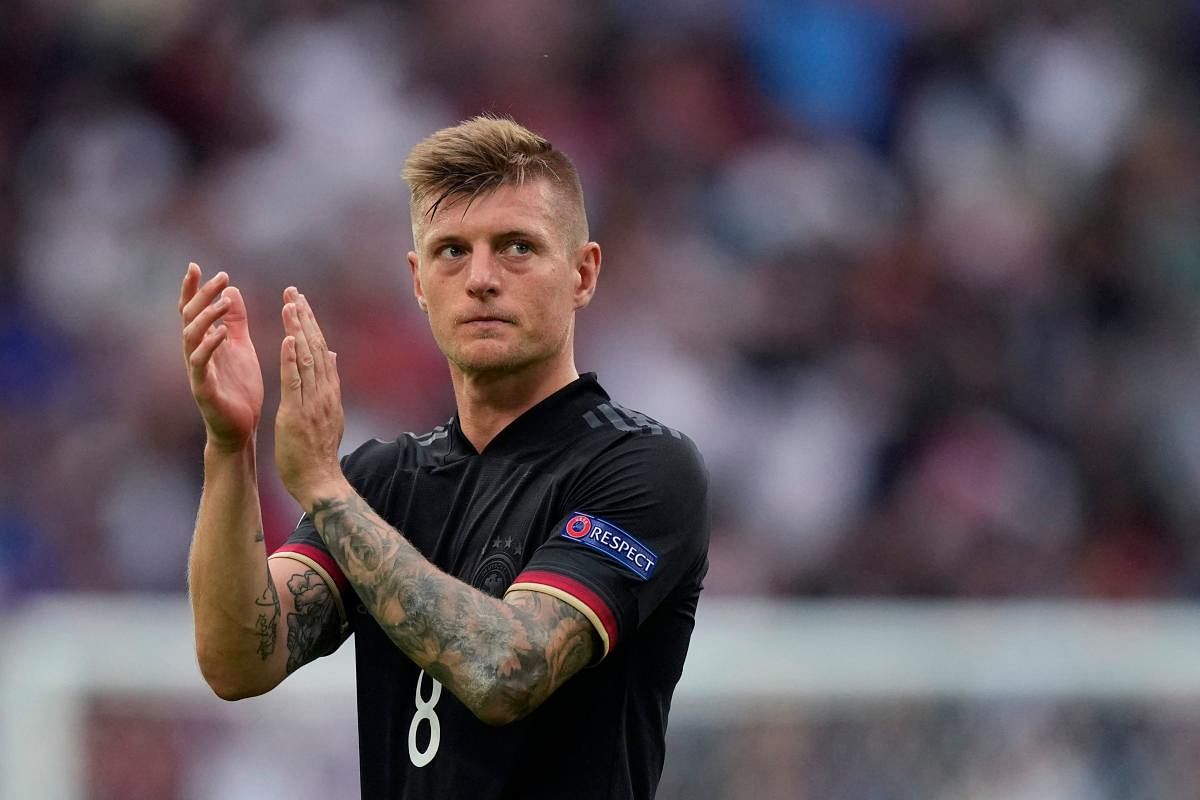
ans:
x=587 y=272
x=414 y=267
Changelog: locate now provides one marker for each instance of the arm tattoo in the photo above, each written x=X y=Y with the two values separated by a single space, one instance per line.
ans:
x=267 y=626
x=313 y=629
x=499 y=657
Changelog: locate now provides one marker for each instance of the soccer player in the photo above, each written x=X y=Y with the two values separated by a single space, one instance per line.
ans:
x=522 y=580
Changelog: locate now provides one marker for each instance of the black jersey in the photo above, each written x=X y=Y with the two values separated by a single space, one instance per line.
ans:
x=579 y=498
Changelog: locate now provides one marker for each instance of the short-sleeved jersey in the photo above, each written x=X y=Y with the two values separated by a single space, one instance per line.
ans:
x=579 y=498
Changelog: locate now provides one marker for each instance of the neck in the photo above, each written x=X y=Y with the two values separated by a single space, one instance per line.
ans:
x=488 y=402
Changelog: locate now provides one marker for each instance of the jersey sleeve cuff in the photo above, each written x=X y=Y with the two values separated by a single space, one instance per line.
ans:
x=576 y=595
x=323 y=564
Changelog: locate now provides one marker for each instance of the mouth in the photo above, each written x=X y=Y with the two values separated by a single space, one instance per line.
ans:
x=486 y=319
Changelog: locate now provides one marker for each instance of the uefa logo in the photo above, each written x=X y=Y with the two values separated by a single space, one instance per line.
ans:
x=578 y=526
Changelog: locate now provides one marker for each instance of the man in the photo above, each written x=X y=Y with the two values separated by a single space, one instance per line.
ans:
x=521 y=581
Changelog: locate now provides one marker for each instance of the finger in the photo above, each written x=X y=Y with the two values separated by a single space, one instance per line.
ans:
x=204 y=296
x=191 y=279
x=199 y=357
x=304 y=357
x=201 y=295
x=316 y=341
x=195 y=331
x=237 y=320
x=334 y=377
x=289 y=373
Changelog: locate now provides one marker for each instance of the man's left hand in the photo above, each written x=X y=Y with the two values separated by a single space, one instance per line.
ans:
x=309 y=425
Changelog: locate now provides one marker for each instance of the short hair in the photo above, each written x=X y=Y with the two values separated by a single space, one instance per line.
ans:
x=480 y=155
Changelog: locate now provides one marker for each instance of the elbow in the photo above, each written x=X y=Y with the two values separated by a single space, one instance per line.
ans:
x=496 y=717
x=228 y=693
x=503 y=704
x=230 y=690
x=228 y=683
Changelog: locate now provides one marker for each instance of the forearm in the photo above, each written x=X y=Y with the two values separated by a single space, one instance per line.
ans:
x=234 y=602
x=500 y=659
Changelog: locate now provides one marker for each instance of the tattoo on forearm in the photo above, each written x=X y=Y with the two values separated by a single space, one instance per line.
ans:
x=507 y=655
x=313 y=628
x=258 y=535
x=267 y=625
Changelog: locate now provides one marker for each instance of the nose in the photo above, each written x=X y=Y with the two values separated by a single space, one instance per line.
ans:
x=483 y=275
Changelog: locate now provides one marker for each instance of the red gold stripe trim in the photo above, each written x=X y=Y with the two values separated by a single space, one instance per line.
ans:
x=308 y=556
x=578 y=596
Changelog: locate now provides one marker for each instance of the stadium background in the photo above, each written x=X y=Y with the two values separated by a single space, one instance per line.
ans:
x=920 y=278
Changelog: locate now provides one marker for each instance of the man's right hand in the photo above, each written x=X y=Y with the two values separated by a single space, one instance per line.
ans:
x=222 y=366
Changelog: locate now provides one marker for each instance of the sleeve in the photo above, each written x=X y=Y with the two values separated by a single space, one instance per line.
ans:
x=636 y=529
x=305 y=546
x=362 y=470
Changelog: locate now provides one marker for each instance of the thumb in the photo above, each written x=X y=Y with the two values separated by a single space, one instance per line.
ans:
x=236 y=318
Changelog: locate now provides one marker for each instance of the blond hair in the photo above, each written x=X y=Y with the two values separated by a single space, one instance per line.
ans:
x=480 y=155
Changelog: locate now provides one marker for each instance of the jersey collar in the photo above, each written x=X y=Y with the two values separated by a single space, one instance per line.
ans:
x=541 y=422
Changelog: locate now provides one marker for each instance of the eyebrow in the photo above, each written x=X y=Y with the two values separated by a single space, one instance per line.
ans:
x=519 y=233
x=438 y=242
x=433 y=245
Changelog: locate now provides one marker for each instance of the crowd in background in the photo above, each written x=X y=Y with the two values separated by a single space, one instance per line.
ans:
x=921 y=278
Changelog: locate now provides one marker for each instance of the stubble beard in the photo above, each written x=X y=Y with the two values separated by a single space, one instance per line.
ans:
x=510 y=361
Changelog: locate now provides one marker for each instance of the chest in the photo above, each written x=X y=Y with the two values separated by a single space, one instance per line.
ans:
x=479 y=519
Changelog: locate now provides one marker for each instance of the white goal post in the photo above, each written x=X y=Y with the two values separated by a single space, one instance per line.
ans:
x=748 y=657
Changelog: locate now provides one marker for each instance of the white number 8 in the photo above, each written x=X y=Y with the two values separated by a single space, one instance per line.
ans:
x=425 y=712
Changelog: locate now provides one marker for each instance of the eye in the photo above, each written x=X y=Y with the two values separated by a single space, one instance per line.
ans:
x=451 y=251
x=519 y=248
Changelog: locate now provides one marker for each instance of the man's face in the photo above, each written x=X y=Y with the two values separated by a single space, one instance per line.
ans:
x=502 y=281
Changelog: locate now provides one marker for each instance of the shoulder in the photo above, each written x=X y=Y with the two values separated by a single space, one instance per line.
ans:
x=609 y=415
x=633 y=455
x=647 y=480
x=634 y=435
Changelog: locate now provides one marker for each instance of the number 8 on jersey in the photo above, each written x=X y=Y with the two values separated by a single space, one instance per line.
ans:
x=425 y=713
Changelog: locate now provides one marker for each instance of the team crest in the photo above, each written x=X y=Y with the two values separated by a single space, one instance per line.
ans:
x=497 y=572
